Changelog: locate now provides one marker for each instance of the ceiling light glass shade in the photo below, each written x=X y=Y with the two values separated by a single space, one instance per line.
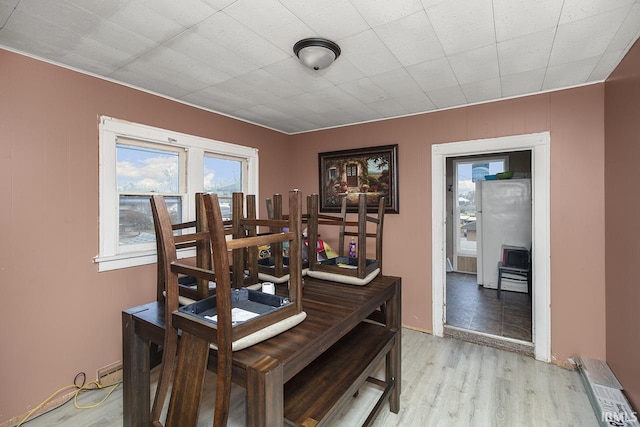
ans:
x=316 y=53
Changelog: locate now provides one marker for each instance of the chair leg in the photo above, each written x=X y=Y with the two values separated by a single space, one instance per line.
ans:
x=499 y=282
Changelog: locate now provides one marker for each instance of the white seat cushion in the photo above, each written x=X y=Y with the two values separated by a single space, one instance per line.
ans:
x=341 y=278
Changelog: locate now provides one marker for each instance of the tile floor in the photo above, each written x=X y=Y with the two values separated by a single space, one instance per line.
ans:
x=475 y=308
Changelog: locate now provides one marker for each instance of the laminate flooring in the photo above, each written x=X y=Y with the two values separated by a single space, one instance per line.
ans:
x=476 y=308
x=445 y=382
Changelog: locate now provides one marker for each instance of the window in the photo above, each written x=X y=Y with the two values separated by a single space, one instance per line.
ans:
x=137 y=161
x=467 y=173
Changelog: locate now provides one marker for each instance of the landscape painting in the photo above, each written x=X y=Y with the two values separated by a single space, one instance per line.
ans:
x=347 y=173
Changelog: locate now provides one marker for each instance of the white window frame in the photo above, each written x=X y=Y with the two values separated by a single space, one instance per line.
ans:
x=110 y=257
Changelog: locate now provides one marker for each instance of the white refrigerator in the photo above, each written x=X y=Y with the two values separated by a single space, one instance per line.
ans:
x=503 y=217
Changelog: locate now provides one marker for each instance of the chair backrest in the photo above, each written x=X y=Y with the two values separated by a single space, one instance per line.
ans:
x=215 y=250
x=275 y=212
x=357 y=229
x=201 y=246
x=167 y=245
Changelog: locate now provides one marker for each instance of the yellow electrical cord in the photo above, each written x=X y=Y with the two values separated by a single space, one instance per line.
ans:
x=79 y=389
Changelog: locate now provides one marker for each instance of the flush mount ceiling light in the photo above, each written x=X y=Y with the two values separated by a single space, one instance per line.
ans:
x=316 y=53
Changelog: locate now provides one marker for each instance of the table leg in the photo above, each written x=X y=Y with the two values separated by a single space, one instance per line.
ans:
x=265 y=393
x=393 y=365
x=135 y=370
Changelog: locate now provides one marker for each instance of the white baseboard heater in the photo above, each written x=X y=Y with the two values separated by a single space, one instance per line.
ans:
x=605 y=393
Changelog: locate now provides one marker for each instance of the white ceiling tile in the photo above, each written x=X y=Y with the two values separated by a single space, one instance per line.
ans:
x=569 y=45
x=606 y=65
x=245 y=90
x=365 y=90
x=367 y=52
x=171 y=61
x=270 y=83
x=38 y=37
x=628 y=31
x=291 y=109
x=525 y=53
x=334 y=20
x=416 y=102
x=515 y=18
x=482 y=91
x=285 y=37
x=523 y=83
x=575 y=10
x=97 y=52
x=252 y=15
x=379 y=12
x=218 y=100
x=342 y=71
x=136 y=15
x=292 y=71
x=430 y=3
x=103 y=9
x=475 y=65
x=397 y=83
x=194 y=45
x=218 y=4
x=433 y=75
x=389 y=108
x=311 y=102
x=447 y=97
x=463 y=24
x=569 y=74
x=186 y=12
x=411 y=39
x=141 y=75
x=92 y=65
x=60 y=14
x=122 y=38
x=5 y=11
x=228 y=33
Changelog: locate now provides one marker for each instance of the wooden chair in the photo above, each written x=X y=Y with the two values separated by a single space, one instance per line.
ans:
x=361 y=269
x=275 y=268
x=190 y=353
x=203 y=256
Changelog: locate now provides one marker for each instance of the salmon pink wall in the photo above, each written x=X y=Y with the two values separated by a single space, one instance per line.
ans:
x=60 y=316
x=622 y=102
x=575 y=121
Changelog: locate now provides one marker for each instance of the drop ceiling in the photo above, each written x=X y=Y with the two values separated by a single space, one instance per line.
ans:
x=399 y=57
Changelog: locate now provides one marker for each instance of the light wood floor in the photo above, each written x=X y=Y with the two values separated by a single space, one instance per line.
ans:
x=446 y=382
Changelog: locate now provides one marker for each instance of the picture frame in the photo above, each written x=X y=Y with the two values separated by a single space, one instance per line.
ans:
x=347 y=173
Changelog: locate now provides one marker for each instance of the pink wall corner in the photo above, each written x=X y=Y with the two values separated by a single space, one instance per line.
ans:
x=577 y=218
x=622 y=106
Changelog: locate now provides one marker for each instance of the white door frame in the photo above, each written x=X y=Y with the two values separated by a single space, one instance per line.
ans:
x=538 y=143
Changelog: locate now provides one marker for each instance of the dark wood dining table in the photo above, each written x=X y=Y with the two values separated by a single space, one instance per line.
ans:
x=279 y=374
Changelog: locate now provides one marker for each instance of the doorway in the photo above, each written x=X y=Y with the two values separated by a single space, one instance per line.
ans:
x=474 y=238
x=538 y=144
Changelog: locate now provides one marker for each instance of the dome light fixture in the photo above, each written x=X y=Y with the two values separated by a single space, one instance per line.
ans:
x=316 y=53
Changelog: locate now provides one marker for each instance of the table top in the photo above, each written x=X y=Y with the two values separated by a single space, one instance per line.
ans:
x=333 y=309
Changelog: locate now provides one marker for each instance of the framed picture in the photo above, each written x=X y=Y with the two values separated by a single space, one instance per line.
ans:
x=372 y=170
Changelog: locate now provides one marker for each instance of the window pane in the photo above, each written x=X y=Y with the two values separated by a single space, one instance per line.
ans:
x=467 y=175
x=143 y=169
x=223 y=176
x=136 y=220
